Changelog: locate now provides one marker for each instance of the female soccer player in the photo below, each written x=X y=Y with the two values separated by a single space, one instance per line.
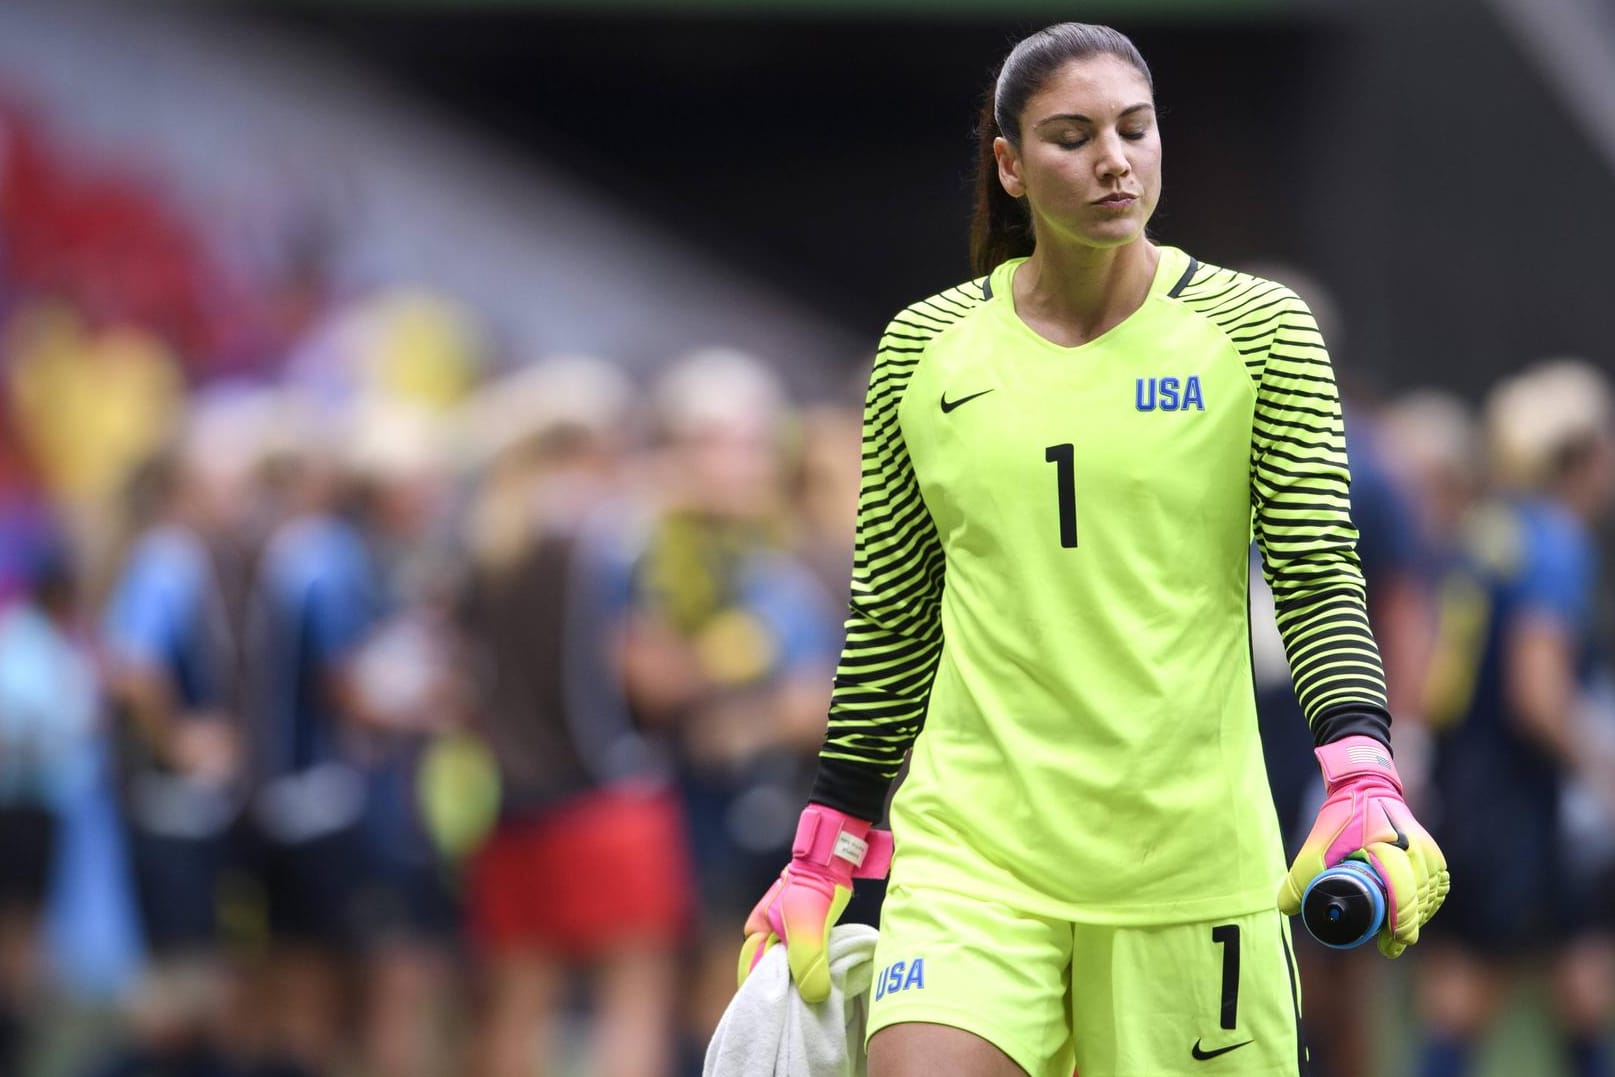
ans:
x=1519 y=656
x=1064 y=462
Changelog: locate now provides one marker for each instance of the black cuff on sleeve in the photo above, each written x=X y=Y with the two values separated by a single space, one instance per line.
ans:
x=847 y=787
x=1352 y=721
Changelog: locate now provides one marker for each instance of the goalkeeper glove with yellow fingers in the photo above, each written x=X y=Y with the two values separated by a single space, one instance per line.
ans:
x=831 y=849
x=1364 y=815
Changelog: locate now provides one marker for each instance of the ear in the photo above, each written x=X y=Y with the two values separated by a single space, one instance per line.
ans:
x=1009 y=167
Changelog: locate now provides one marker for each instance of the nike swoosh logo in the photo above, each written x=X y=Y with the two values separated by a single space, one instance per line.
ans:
x=949 y=405
x=1401 y=841
x=1201 y=1056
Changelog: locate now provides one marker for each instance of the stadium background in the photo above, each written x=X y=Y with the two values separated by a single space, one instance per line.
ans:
x=1367 y=142
x=633 y=179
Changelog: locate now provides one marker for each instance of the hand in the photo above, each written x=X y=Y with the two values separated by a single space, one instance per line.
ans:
x=830 y=850
x=205 y=747
x=1364 y=814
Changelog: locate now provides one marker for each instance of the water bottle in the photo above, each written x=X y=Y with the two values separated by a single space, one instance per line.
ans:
x=1344 y=906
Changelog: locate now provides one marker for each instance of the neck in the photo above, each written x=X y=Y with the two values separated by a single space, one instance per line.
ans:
x=1084 y=290
x=1582 y=502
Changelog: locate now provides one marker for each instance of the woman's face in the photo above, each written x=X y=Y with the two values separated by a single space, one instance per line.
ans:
x=1089 y=162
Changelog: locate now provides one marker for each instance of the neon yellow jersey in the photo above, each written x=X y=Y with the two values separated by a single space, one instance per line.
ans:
x=1050 y=581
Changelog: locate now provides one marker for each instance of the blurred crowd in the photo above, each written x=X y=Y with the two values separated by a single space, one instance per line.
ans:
x=1479 y=535
x=372 y=702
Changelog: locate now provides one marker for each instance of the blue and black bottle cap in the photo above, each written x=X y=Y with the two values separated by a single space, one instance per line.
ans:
x=1344 y=906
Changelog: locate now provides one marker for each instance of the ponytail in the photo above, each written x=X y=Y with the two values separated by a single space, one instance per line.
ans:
x=999 y=228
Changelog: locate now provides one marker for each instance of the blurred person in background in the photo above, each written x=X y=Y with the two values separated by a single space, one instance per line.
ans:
x=50 y=709
x=825 y=492
x=172 y=658
x=1517 y=650
x=731 y=643
x=586 y=869
x=1433 y=444
x=404 y=692
x=314 y=599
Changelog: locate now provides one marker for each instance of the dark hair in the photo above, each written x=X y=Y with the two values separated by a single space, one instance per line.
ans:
x=1000 y=228
x=150 y=486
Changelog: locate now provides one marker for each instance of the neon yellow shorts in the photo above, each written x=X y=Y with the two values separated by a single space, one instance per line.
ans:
x=1207 y=999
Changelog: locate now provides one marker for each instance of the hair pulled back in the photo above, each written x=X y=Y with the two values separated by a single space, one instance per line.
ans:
x=1000 y=228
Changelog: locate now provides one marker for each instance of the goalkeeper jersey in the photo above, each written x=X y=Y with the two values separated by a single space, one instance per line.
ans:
x=1049 y=594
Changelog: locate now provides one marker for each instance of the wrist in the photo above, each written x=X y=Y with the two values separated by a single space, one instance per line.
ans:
x=858 y=789
x=1357 y=758
x=839 y=844
x=1351 y=720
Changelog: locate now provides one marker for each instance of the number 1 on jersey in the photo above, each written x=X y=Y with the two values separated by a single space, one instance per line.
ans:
x=1065 y=477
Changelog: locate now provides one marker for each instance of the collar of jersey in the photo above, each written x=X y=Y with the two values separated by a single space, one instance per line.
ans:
x=1168 y=269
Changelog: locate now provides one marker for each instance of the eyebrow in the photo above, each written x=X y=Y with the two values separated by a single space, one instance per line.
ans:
x=1080 y=118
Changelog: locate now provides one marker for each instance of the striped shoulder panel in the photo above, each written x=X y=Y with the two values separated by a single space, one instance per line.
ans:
x=893 y=629
x=1249 y=310
x=918 y=323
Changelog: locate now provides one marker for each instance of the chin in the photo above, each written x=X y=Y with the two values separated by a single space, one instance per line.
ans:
x=1113 y=234
x=1109 y=230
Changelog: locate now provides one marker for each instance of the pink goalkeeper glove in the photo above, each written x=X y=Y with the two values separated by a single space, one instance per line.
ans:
x=1364 y=814
x=830 y=850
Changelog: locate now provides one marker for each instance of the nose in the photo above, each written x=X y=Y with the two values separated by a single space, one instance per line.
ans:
x=1112 y=160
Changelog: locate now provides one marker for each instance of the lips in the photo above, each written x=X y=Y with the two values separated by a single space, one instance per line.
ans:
x=1119 y=200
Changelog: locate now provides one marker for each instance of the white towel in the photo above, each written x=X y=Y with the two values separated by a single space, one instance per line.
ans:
x=768 y=1031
